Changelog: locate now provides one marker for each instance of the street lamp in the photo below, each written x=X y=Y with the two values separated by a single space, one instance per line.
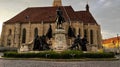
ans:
x=118 y=42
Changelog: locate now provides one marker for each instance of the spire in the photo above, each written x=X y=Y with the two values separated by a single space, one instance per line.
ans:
x=87 y=7
x=57 y=3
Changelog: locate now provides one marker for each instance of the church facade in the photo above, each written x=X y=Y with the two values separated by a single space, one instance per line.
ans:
x=23 y=28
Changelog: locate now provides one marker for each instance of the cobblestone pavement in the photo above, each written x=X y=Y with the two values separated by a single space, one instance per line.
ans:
x=29 y=63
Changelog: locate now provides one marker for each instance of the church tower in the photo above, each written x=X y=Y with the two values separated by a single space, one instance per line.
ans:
x=87 y=7
x=57 y=3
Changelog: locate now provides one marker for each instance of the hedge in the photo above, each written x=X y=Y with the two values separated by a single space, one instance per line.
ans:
x=62 y=55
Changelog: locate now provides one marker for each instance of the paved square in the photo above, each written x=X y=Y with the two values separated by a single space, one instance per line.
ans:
x=29 y=63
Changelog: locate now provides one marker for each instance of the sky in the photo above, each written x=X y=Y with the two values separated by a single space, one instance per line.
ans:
x=105 y=12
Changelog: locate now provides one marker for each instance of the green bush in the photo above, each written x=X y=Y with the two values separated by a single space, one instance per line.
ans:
x=49 y=54
x=98 y=55
x=70 y=54
x=62 y=55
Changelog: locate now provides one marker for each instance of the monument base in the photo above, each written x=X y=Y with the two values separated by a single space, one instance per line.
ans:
x=59 y=40
x=24 y=48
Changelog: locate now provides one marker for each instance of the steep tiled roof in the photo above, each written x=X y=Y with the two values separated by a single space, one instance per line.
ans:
x=38 y=14
x=86 y=17
x=48 y=14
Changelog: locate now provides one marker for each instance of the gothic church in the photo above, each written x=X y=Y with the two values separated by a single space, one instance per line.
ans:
x=22 y=29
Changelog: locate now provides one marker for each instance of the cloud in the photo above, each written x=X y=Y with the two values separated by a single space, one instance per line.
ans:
x=101 y=2
x=106 y=12
x=107 y=34
x=107 y=4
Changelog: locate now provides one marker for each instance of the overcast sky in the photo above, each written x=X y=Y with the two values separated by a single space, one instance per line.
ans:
x=106 y=12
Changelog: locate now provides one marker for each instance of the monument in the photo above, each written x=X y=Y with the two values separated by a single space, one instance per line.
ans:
x=23 y=48
x=59 y=37
x=59 y=42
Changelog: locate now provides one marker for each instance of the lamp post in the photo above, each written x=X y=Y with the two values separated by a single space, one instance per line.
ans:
x=118 y=43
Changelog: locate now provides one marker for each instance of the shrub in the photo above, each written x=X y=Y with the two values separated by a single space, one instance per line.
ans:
x=98 y=55
x=70 y=54
x=62 y=55
x=49 y=54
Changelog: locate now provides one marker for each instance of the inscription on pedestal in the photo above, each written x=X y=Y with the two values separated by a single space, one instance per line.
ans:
x=24 y=48
x=60 y=40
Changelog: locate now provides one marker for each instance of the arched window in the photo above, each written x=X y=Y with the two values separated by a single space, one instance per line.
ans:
x=10 y=31
x=85 y=33
x=97 y=36
x=24 y=35
x=74 y=30
x=79 y=32
x=35 y=32
x=91 y=36
x=9 y=37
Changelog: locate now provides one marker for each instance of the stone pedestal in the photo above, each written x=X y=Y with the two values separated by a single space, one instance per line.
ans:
x=59 y=43
x=24 y=48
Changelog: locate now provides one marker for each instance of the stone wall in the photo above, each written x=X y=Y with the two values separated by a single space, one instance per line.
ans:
x=16 y=34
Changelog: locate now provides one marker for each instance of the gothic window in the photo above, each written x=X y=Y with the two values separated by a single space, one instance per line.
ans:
x=35 y=32
x=74 y=30
x=97 y=36
x=85 y=33
x=24 y=35
x=79 y=32
x=91 y=36
x=10 y=32
x=9 y=37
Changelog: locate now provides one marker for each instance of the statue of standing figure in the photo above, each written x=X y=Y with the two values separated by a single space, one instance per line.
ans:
x=60 y=18
x=84 y=43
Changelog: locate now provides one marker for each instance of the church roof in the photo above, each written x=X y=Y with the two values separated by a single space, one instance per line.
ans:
x=86 y=17
x=48 y=14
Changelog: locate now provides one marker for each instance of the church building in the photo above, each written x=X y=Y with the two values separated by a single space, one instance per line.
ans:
x=25 y=26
